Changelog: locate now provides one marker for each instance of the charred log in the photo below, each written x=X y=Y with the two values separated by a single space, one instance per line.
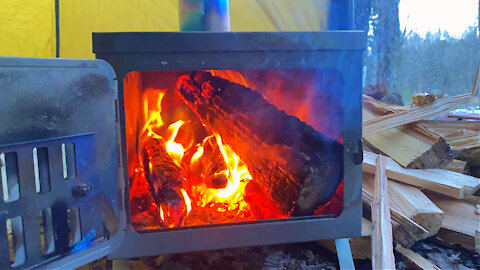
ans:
x=296 y=166
x=165 y=180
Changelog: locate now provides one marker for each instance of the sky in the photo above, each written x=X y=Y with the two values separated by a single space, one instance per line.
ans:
x=453 y=16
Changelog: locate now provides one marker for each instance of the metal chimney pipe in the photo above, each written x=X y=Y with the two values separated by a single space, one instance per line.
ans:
x=204 y=15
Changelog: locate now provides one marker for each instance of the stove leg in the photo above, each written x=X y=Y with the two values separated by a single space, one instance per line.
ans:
x=344 y=254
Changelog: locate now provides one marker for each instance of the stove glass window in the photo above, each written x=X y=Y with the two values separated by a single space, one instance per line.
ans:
x=218 y=147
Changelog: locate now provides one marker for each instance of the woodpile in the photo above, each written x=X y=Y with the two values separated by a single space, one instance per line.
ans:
x=433 y=170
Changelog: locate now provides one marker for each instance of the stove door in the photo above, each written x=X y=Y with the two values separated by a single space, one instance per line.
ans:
x=60 y=170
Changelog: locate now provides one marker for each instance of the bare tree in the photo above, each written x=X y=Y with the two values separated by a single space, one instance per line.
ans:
x=362 y=14
x=387 y=36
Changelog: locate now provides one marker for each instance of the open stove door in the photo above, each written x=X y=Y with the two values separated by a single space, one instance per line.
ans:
x=61 y=176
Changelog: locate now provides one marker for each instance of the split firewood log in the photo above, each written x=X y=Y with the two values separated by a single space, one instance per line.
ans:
x=296 y=166
x=415 y=147
x=165 y=180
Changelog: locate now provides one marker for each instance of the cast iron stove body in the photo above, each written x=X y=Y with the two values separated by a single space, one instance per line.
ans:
x=66 y=141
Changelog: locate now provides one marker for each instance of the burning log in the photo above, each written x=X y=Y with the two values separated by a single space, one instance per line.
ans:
x=296 y=166
x=260 y=205
x=334 y=206
x=166 y=182
x=210 y=164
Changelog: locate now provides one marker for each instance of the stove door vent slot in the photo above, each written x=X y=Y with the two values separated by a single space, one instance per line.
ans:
x=69 y=161
x=16 y=241
x=73 y=220
x=47 y=238
x=9 y=176
x=41 y=169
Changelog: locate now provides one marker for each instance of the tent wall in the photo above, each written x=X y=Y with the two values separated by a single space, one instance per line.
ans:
x=79 y=18
x=279 y=15
x=27 y=27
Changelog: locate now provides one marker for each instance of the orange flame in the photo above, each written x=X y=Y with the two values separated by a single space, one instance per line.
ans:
x=228 y=198
x=174 y=149
x=234 y=173
x=153 y=115
x=152 y=109
x=231 y=75
x=186 y=198
x=198 y=154
x=161 y=213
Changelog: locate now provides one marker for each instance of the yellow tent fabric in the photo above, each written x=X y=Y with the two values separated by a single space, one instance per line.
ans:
x=279 y=15
x=27 y=28
x=79 y=18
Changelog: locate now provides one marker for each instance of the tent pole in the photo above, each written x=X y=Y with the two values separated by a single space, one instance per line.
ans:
x=57 y=28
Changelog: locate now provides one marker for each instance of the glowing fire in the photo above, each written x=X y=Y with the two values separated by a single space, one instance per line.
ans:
x=153 y=115
x=161 y=214
x=174 y=149
x=215 y=185
x=186 y=198
x=198 y=154
x=236 y=173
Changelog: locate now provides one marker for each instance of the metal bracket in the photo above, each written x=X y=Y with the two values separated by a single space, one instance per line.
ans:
x=344 y=253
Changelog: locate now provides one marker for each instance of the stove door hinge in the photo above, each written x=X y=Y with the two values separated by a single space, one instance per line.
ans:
x=121 y=179
x=118 y=131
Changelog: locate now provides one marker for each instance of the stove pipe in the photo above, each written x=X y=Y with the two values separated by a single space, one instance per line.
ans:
x=204 y=15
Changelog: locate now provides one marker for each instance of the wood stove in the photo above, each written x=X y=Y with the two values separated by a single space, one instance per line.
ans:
x=180 y=142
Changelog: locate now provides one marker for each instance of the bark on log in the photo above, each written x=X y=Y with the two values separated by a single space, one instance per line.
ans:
x=297 y=167
x=165 y=180
x=376 y=91
x=459 y=166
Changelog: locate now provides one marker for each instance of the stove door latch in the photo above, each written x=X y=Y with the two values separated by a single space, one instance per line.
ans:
x=358 y=155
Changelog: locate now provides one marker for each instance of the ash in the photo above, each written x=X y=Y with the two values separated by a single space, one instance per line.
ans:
x=308 y=256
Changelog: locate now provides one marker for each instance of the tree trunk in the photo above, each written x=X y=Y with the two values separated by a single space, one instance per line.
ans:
x=387 y=36
x=362 y=14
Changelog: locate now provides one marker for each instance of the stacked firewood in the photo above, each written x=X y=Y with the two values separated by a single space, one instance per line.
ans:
x=432 y=167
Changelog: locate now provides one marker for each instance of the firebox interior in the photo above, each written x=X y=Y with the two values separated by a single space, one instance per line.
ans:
x=186 y=170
